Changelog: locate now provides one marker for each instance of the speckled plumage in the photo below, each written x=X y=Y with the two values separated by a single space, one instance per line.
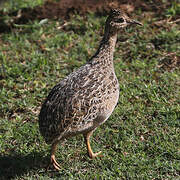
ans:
x=85 y=98
x=80 y=102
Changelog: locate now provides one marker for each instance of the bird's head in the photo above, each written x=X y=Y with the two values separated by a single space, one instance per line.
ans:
x=118 y=20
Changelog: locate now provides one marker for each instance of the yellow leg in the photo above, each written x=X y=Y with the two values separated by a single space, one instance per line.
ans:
x=52 y=158
x=87 y=141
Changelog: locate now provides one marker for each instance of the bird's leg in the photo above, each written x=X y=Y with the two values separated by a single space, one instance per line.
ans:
x=52 y=158
x=87 y=141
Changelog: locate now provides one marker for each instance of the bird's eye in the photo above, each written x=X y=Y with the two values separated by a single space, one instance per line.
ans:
x=119 y=20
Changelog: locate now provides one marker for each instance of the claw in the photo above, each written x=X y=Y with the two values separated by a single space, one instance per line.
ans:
x=53 y=159
x=90 y=152
x=94 y=155
x=54 y=163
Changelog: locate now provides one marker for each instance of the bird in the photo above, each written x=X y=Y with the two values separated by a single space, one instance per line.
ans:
x=86 y=98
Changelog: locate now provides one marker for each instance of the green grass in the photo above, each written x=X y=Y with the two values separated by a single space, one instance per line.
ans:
x=141 y=138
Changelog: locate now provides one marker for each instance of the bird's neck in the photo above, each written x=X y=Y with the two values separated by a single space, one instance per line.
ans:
x=108 y=42
x=105 y=52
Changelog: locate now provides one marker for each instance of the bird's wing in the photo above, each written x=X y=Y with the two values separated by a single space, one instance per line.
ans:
x=68 y=104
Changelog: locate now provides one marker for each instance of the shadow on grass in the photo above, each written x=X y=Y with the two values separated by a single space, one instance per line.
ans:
x=16 y=165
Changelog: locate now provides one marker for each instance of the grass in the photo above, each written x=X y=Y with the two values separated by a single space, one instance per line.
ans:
x=141 y=138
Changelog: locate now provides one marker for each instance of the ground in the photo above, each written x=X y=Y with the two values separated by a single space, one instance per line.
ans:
x=42 y=42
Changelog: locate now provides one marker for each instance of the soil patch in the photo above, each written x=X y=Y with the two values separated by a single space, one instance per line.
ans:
x=64 y=8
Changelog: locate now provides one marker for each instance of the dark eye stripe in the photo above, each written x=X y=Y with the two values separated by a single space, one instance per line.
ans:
x=120 y=20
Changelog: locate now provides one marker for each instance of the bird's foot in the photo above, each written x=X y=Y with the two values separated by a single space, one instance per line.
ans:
x=54 y=163
x=94 y=155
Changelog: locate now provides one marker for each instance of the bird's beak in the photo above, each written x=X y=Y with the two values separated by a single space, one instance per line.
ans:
x=136 y=22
